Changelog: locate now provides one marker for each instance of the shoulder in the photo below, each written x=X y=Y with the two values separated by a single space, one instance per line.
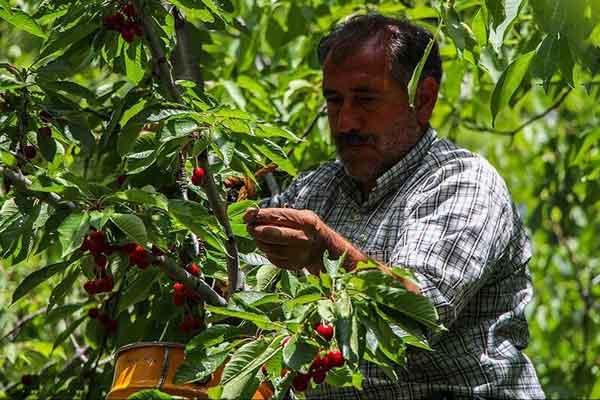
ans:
x=453 y=170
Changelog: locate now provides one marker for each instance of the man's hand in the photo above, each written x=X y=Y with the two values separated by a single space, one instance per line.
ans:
x=291 y=239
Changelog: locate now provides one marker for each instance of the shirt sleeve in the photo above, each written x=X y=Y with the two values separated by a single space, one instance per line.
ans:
x=456 y=230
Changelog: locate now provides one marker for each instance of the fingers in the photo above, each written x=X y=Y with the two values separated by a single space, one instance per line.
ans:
x=280 y=216
x=279 y=235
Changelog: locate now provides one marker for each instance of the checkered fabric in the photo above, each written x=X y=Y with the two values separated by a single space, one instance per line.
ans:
x=446 y=214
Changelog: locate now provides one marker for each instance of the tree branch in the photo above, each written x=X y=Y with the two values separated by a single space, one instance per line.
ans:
x=235 y=278
x=21 y=323
x=513 y=132
x=171 y=268
x=21 y=182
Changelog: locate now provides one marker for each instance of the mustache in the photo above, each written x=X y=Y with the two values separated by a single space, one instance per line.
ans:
x=354 y=139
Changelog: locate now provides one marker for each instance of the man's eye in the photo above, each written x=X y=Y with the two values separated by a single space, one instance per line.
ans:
x=366 y=99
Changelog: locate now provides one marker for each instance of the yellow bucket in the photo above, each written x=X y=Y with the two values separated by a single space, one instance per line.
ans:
x=152 y=365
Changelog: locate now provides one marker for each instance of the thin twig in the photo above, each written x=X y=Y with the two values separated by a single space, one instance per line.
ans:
x=21 y=323
x=513 y=132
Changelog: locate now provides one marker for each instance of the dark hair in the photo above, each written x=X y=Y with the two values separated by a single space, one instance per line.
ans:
x=405 y=44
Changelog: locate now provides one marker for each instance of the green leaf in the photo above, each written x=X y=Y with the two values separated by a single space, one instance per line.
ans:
x=47 y=147
x=138 y=290
x=134 y=67
x=72 y=231
x=65 y=286
x=260 y=320
x=65 y=334
x=266 y=276
x=509 y=82
x=132 y=226
x=143 y=197
x=265 y=130
x=346 y=328
x=214 y=335
x=35 y=278
x=416 y=75
x=592 y=138
x=199 y=366
x=298 y=354
x=242 y=358
x=22 y=21
x=304 y=299
x=326 y=310
x=60 y=40
x=150 y=394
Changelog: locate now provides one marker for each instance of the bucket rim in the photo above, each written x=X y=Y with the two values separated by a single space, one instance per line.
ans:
x=136 y=345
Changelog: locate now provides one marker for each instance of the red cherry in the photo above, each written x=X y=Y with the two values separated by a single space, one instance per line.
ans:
x=156 y=251
x=111 y=325
x=319 y=376
x=27 y=380
x=196 y=180
x=106 y=284
x=178 y=299
x=285 y=341
x=300 y=382
x=101 y=261
x=179 y=287
x=335 y=358
x=263 y=369
x=29 y=151
x=128 y=35
x=326 y=331
x=45 y=116
x=319 y=363
x=90 y=287
x=199 y=172
x=121 y=180
x=194 y=269
x=129 y=247
x=45 y=131
x=93 y=313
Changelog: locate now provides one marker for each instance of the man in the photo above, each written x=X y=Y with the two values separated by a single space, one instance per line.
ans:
x=403 y=196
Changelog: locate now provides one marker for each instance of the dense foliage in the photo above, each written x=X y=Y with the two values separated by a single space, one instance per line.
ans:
x=107 y=116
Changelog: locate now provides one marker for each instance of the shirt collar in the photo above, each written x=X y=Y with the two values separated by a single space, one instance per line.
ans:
x=391 y=179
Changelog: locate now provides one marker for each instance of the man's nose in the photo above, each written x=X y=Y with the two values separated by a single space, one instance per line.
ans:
x=348 y=119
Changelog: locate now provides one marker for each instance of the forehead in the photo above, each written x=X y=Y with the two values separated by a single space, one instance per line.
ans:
x=368 y=63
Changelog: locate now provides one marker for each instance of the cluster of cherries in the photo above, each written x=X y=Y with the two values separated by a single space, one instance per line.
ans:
x=109 y=324
x=181 y=296
x=124 y=22
x=96 y=244
x=197 y=176
x=322 y=363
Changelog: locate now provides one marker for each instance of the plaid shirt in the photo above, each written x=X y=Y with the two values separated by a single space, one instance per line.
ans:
x=446 y=214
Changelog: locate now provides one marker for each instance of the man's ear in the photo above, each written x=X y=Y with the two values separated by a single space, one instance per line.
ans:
x=425 y=100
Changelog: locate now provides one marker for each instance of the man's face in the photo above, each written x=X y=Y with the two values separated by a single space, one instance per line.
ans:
x=369 y=116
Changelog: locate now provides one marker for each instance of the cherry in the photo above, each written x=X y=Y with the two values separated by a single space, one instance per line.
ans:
x=93 y=313
x=300 y=382
x=29 y=151
x=335 y=358
x=45 y=116
x=194 y=269
x=197 y=175
x=326 y=331
x=101 y=261
x=319 y=363
x=128 y=34
x=128 y=248
x=45 y=131
x=90 y=287
x=121 y=180
x=27 y=380
x=319 y=376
